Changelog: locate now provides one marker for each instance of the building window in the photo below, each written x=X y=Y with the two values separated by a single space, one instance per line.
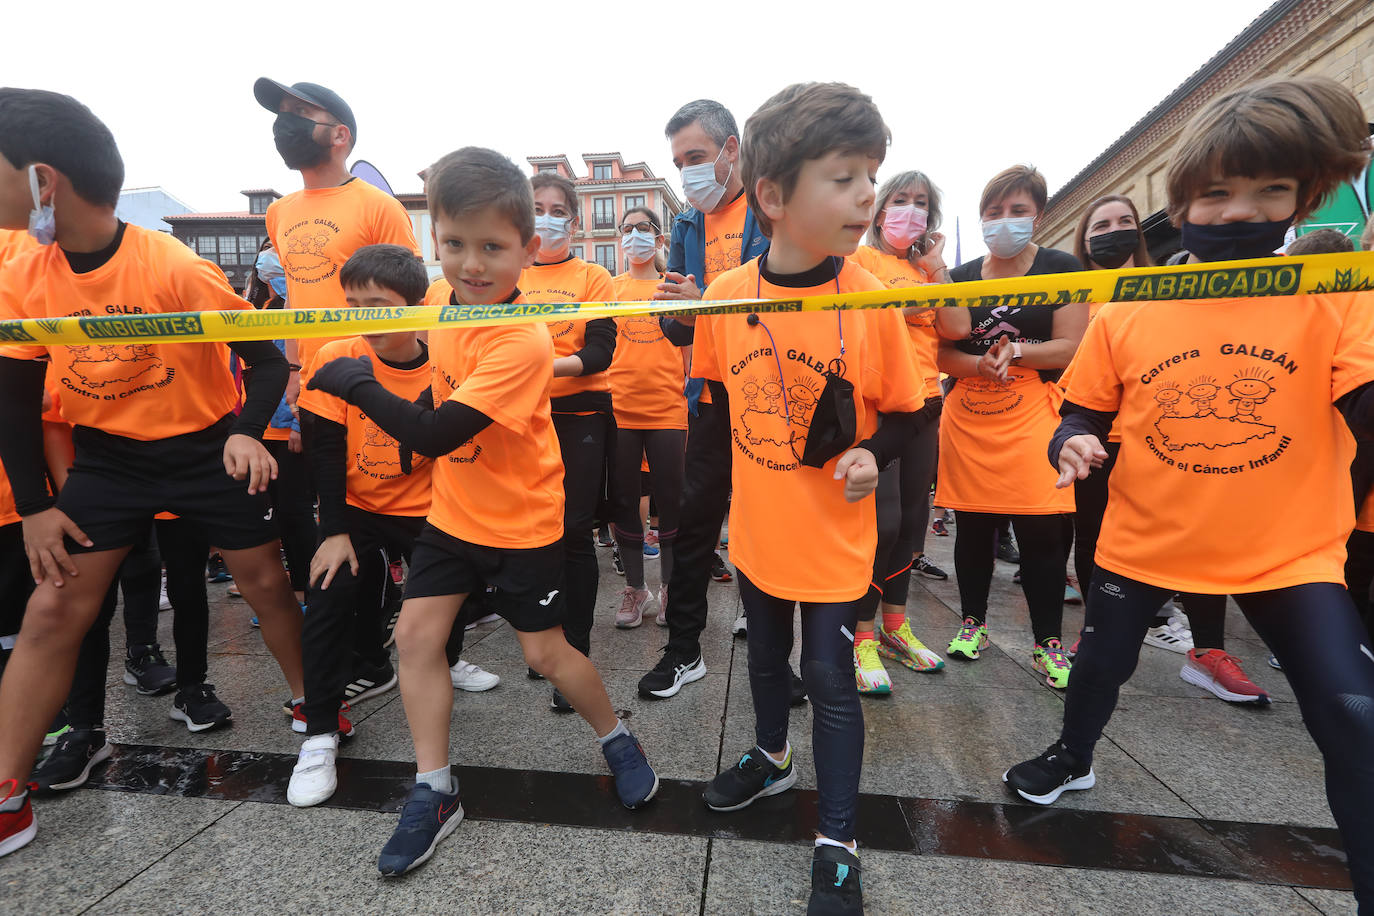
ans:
x=548 y=170
x=605 y=256
x=228 y=249
x=248 y=250
x=603 y=213
x=576 y=251
x=257 y=204
x=206 y=247
x=601 y=171
x=633 y=200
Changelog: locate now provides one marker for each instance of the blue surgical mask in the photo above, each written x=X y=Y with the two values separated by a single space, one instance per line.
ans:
x=42 y=219
x=1006 y=238
x=270 y=271
x=553 y=233
x=1234 y=241
x=639 y=246
x=700 y=187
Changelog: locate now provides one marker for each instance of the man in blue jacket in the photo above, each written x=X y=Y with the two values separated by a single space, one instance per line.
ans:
x=716 y=234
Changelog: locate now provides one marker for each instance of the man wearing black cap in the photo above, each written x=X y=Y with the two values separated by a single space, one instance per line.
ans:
x=315 y=231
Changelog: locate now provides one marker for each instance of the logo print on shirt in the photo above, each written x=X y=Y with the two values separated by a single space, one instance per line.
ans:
x=306 y=259
x=987 y=398
x=112 y=365
x=642 y=330
x=560 y=328
x=1198 y=423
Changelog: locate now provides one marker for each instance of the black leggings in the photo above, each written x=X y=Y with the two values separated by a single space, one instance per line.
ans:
x=1359 y=574
x=918 y=474
x=903 y=511
x=827 y=666
x=140 y=580
x=583 y=442
x=16 y=582
x=293 y=502
x=664 y=449
x=1043 y=566
x=1324 y=650
x=1090 y=499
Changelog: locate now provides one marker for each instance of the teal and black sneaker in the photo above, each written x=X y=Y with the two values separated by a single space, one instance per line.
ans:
x=835 y=886
x=754 y=777
x=60 y=726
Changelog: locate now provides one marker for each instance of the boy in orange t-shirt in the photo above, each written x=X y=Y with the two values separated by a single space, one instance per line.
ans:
x=154 y=424
x=1233 y=476
x=802 y=525
x=496 y=517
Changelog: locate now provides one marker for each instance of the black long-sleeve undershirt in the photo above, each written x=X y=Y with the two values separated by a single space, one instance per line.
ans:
x=678 y=334
x=433 y=432
x=266 y=373
x=326 y=444
x=1079 y=421
x=21 y=446
x=598 y=346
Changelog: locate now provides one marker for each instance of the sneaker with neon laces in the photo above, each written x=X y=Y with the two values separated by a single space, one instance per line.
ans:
x=754 y=777
x=929 y=569
x=869 y=673
x=69 y=765
x=298 y=720
x=59 y=727
x=147 y=670
x=426 y=818
x=1044 y=779
x=970 y=641
x=1051 y=661
x=199 y=708
x=836 y=886
x=633 y=602
x=470 y=677
x=1221 y=674
x=662 y=617
x=17 y=824
x=369 y=682
x=902 y=646
x=719 y=571
x=1174 y=635
x=314 y=778
x=636 y=783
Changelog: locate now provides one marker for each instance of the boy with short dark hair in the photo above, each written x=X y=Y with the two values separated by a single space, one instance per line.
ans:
x=809 y=160
x=497 y=512
x=154 y=423
x=373 y=499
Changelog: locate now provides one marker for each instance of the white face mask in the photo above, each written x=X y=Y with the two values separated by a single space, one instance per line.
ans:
x=1006 y=238
x=553 y=234
x=639 y=246
x=42 y=219
x=700 y=187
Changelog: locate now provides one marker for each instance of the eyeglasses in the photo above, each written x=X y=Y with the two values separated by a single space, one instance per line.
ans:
x=641 y=226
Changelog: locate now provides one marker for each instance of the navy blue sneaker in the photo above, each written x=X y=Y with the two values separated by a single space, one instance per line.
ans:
x=754 y=777
x=635 y=781
x=427 y=817
x=835 y=884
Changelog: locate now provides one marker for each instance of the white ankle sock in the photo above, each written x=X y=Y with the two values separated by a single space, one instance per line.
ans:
x=440 y=780
x=616 y=732
x=15 y=802
x=851 y=846
x=781 y=760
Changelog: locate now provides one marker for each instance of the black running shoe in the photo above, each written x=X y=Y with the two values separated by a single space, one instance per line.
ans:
x=719 y=571
x=835 y=886
x=754 y=777
x=199 y=708
x=798 y=689
x=929 y=569
x=670 y=674
x=1006 y=550
x=559 y=703
x=603 y=536
x=216 y=571
x=147 y=670
x=1050 y=775
x=533 y=675
x=71 y=762
x=369 y=682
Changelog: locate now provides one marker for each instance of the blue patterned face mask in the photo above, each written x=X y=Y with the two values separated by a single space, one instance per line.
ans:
x=42 y=219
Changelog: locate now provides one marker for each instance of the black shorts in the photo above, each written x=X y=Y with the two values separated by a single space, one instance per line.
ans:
x=526 y=584
x=117 y=485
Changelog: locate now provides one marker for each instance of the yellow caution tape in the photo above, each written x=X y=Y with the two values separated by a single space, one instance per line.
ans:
x=1284 y=276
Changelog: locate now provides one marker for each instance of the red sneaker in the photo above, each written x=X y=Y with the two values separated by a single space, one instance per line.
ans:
x=298 y=720
x=1215 y=670
x=17 y=828
x=398 y=573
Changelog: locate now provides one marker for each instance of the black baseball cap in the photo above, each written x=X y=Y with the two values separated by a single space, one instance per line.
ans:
x=269 y=94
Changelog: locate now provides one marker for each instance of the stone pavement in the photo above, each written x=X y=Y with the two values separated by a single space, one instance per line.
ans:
x=1201 y=806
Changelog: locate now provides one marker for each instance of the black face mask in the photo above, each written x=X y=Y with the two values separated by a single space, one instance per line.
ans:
x=1112 y=249
x=833 y=425
x=295 y=139
x=1234 y=241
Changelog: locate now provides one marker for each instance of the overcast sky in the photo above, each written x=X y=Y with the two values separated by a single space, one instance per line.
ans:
x=967 y=87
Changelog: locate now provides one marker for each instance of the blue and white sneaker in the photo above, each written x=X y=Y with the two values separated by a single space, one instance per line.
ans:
x=635 y=781
x=754 y=777
x=427 y=817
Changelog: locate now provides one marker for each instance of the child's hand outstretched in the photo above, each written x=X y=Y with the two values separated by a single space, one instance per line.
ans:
x=245 y=456
x=858 y=468
x=1077 y=458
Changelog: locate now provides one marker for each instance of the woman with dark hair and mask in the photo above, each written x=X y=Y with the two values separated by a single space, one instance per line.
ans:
x=999 y=415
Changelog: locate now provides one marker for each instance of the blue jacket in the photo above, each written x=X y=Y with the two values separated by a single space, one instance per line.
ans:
x=687 y=255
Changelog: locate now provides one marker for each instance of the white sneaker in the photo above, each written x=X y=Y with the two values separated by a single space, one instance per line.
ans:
x=741 y=625
x=163 y=602
x=1171 y=636
x=314 y=778
x=467 y=676
x=662 y=618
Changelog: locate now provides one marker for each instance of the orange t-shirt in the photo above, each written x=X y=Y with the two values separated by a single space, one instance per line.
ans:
x=438 y=293
x=13 y=242
x=316 y=230
x=646 y=371
x=504 y=486
x=724 y=234
x=569 y=280
x=375 y=482
x=1234 y=471
x=899 y=273
x=139 y=391
x=1067 y=376
x=791 y=530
